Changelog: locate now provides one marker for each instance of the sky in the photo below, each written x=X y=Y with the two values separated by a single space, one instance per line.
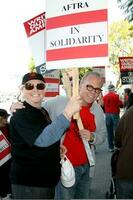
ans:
x=14 y=46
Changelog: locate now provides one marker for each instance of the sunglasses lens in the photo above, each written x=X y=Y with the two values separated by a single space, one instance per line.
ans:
x=40 y=86
x=29 y=86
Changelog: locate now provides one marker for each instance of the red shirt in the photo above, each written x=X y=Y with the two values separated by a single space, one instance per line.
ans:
x=112 y=103
x=73 y=142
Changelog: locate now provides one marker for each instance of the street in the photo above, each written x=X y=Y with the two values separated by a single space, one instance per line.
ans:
x=102 y=178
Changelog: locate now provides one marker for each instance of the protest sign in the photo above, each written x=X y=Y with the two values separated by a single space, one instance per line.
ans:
x=5 y=150
x=35 y=30
x=126 y=69
x=76 y=33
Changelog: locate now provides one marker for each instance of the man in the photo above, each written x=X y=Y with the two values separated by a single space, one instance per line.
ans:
x=112 y=105
x=93 y=120
x=124 y=166
x=92 y=117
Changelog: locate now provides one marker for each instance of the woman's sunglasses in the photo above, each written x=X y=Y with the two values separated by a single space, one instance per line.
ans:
x=30 y=86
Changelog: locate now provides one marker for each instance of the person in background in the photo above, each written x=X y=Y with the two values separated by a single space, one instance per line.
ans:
x=112 y=105
x=127 y=91
x=124 y=165
x=5 y=186
x=93 y=120
x=35 y=142
x=129 y=102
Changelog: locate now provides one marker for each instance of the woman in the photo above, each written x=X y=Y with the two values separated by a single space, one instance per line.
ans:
x=129 y=101
x=35 y=169
x=124 y=165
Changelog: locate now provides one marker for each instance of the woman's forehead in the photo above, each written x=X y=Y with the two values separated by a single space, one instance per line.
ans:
x=34 y=81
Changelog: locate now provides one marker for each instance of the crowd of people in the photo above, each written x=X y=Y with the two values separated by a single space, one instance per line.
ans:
x=36 y=128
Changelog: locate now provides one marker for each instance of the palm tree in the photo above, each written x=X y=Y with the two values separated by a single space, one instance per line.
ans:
x=127 y=7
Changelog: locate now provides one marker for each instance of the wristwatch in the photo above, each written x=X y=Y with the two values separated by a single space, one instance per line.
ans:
x=92 y=138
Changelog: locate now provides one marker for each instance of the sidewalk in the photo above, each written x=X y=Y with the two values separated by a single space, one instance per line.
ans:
x=101 y=181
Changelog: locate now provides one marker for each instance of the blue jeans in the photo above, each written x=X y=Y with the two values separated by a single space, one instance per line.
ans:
x=30 y=192
x=80 y=190
x=124 y=189
x=111 y=123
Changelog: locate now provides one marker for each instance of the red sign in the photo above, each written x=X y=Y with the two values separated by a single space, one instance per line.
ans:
x=126 y=69
x=126 y=63
x=35 y=25
x=5 y=150
x=51 y=79
x=35 y=30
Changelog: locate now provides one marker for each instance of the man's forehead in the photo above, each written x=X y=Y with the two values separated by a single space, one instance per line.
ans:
x=91 y=78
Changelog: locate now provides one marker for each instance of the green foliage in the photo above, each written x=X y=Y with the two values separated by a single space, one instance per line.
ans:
x=120 y=42
x=31 y=65
x=82 y=71
x=127 y=7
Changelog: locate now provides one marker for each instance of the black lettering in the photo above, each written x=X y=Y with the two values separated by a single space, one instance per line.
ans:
x=84 y=40
x=64 y=8
x=79 y=41
x=76 y=40
x=93 y=38
x=86 y=5
x=74 y=30
x=74 y=6
x=100 y=37
x=80 y=5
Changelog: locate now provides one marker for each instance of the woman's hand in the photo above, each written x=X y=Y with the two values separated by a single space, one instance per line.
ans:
x=73 y=106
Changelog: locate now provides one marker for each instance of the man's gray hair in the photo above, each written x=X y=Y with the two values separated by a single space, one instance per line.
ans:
x=96 y=74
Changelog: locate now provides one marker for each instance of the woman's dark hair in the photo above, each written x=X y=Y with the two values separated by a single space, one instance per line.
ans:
x=127 y=91
x=130 y=100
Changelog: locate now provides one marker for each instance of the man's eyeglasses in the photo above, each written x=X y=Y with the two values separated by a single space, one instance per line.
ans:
x=91 y=88
x=30 y=86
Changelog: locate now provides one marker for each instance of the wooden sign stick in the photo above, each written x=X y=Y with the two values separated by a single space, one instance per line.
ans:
x=66 y=83
x=78 y=118
x=76 y=93
x=75 y=75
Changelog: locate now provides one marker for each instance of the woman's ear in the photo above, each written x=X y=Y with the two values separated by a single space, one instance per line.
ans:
x=20 y=96
x=21 y=87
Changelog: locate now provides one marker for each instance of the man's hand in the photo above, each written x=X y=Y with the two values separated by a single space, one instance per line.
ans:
x=15 y=106
x=63 y=151
x=85 y=134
